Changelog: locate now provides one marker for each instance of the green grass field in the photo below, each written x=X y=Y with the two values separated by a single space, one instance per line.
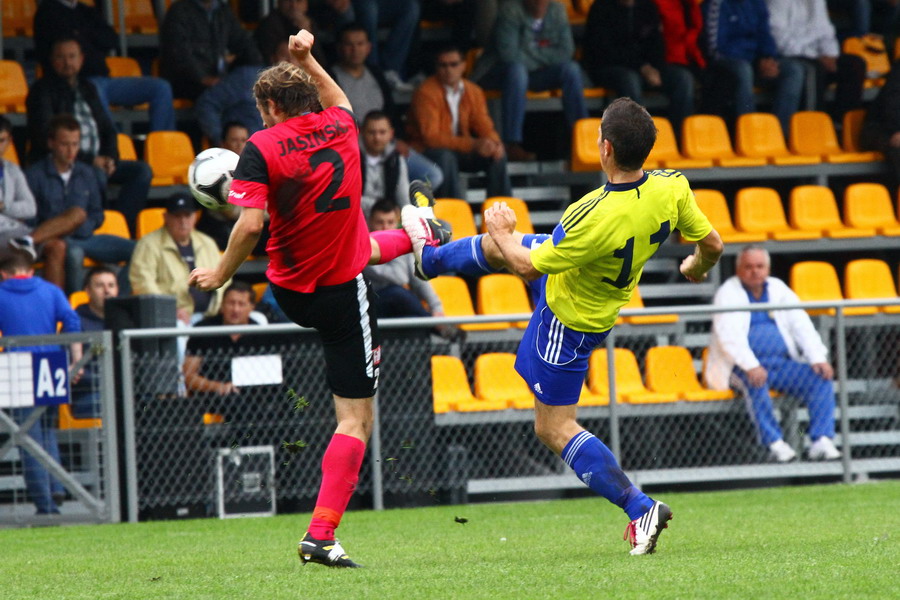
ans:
x=832 y=541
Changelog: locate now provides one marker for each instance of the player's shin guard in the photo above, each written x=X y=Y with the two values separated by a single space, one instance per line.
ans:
x=340 y=472
x=393 y=243
x=464 y=256
x=596 y=466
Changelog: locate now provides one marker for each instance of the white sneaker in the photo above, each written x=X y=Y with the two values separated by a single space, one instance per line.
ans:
x=824 y=449
x=397 y=84
x=781 y=452
x=643 y=532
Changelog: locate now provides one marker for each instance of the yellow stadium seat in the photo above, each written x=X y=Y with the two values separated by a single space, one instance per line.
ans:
x=259 y=289
x=665 y=154
x=816 y=281
x=759 y=135
x=853 y=122
x=871 y=48
x=457 y=302
x=589 y=398
x=114 y=224
x=497 y=385
x=630 y=387
x=759 y=210
x=77 y=298
x=706 y=136
x=149 y=219
x=10 y=154
x=713 y=204
x=670 y=369
x=139 y=17
x=585 y=149
x=459 y=214
x=169 y=154
x=123 y=66
x=67 y=421
x=13 y=87
x=814 y=208
x=812 y=133
x=868 y=278
x=18 y=17
x=868 y=205
x=636 y=302
x=126 y=147
x=523 y=216
x=450 y=384
x=503 y=294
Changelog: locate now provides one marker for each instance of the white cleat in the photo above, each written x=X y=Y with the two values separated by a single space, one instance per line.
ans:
x=824 y=449
x=781 y=452
x=644 y=531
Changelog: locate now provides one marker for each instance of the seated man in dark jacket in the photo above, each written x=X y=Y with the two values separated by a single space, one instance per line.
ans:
x=63 y=90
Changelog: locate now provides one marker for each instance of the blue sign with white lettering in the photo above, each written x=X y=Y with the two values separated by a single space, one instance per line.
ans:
x=51 y=377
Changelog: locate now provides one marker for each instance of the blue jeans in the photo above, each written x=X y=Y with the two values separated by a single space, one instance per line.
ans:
x=131 y=91
x=452 y=162
x=424 y=170
x=101 y=248
x=229 y=100
x=738 y=75
x=403 y=18
x=797 y=380
x=40 y=484
x=513 y=80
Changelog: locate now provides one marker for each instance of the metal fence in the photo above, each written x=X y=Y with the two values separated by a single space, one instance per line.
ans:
x=79 y=454
x=417 y=455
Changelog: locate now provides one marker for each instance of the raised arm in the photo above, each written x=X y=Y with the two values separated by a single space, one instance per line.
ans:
x=330 y=93
x=696 y=266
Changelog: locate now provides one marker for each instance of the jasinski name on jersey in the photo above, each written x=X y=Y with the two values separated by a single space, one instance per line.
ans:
x=313 y=139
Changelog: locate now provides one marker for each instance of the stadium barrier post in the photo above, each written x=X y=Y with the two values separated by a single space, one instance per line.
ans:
x=843 y=399
x=614 y=439
x=375 y=449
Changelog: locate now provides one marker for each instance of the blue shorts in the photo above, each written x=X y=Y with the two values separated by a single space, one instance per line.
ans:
x=552 y=358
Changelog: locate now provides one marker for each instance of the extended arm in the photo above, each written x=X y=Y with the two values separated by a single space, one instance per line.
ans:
x=501 y=223
x=705 y=256
x=243 y=239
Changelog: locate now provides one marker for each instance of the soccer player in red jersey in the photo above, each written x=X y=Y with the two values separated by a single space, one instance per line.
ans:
x=305 y=169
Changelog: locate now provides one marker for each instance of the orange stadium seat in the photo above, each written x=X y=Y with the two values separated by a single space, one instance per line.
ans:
x=67 y=421
x=139 y=17
x=450 y=384
x=868 y=205
x=169 y=154
x=759 y=210
x=113 y=224
x=123 y=66
x=852 y=125
x=497 y=385
x=77 y=298
x=10 y=154
x=759 y=135
x=149 y=219
x=817 y=281
x=126 y=147
x=629 y=385
x=813 y=208
x=454 y=295
x=503 y=294
x=713 y=204
x=18 y=17
x=13 y=87
x=706 y=136
x=868 y=278
x=585 y=150
x=812 y=133
x=523 y=216
x=871 y=48
x=459 y=214
x=665 y=154
x=670 y=369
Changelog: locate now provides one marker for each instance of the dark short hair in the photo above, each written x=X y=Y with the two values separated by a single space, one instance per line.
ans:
x=62 y=121
x=231 y=124
x=631 y=131
x=5 y=124
x=14 y=261
x=374 y=115
x=98 y=270
x=350 y=28
x=241 y=286
x=384 y=205
x=65 y=40
x=446 y=49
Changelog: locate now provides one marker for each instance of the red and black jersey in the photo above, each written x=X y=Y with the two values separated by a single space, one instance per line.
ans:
x=306 y=173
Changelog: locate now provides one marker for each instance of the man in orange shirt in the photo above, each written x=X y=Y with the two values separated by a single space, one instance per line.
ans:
x=449 y=123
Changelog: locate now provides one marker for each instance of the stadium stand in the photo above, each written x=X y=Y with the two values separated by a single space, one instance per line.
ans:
x=866 y=279
x=759 y=135
x=868 y=205
x=454 y=295
x=13 y=87
x=871 y=48
x=497 y=385
x=715 y=207
x=169 y=154
x=126 y=147
x=760 y=210
x=665 y=154
x=585 y=153
x=629 y=385
x=670 y=369
x=813 y=208
x=812 y=134
x=503 y=294
x=706 y=137
x=850 y=127
x=450 y=384
x=523 y=215
x=149 y=219
x=458 y=213
x=816 y=281
x=637 y=302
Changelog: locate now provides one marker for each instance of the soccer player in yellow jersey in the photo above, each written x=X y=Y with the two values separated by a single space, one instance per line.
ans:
x=584 y=273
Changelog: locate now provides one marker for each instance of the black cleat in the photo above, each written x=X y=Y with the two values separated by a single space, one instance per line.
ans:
x=325 y=552
x=420 y=194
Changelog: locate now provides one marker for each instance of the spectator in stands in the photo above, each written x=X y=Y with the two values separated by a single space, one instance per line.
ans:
x=100 y=283
x=630 y=56
x=235 y=136
x=742 y=53
x=531 y=49
x=163 y=260
x=402 y=19
x=682 y=24
x=289 y=17
x=368 y=90
x=399 y=293
x=881 y=127
x=780 y=350
x=463 y=16
x=31 y=306
x=449 y=122
x=64 y=90
x=384 y=171
x=331 y=14
x=62 y=19
x=209 y=58
x=802 y=30
x=69 y=196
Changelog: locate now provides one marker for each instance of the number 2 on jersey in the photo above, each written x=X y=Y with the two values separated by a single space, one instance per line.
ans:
x=326 y=202
x=626 y=253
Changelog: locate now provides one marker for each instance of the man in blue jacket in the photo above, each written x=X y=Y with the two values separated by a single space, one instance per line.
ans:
x=31 y=306
x=742 y=53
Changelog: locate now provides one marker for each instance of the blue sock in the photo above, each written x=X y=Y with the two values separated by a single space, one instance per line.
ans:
x=464 y=256
x=596 y=466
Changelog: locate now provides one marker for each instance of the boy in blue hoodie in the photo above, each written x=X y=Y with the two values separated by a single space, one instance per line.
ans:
x=31 y=306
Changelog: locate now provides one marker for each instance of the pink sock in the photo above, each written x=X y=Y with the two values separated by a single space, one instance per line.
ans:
x=393 y=243
x=340 y=472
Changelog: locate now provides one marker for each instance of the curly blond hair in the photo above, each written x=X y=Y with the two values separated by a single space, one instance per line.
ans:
x=291 y=88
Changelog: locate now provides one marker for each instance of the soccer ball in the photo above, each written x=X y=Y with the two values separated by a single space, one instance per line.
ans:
x=210 y=175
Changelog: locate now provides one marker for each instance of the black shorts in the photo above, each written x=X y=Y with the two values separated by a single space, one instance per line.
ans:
x=344 y=315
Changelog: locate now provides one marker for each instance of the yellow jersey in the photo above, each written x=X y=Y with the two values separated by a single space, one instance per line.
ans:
x=598 y=250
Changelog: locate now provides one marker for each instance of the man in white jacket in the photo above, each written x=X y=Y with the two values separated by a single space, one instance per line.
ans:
x=781 y=350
